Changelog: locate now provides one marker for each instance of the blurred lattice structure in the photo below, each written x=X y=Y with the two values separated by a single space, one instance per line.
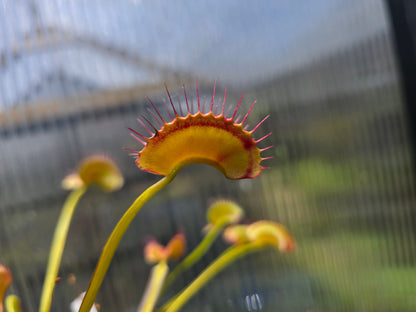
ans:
x=74 y=75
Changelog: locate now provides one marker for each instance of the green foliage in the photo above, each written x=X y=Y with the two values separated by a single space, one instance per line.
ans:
x=355 y=271
x=324 y=178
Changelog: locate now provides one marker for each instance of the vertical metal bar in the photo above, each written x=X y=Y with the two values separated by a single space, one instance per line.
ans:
x=403 y=22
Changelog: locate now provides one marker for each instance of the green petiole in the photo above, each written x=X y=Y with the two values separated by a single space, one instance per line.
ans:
x=115 y=238
x=58 y=244
x=195 y=255
x=226 y=258
x=154 y=287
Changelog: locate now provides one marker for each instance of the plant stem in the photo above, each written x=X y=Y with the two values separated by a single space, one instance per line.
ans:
x=115 y=238
x=57 y=248
x=154 y=287
x=226 y=258
x=13 y=304
x=195 y=255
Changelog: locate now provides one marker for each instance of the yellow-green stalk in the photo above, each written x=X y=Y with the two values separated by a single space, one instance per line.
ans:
x=194 y=256
x=98 y=170
x=115 y=238
x=13 y=304
x=226 y=258
x=246 y=239
x=220 y=214
x=57 y=248
x=154 y=287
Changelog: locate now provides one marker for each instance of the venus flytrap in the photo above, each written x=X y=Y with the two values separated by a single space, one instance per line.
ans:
x=174 y=250
x=212 y=137
x=13 y=304
x=5 y=281
x=115 y=238
x=98 y=170
x=57 y=247
x=246 y=240
x=202 y=137
x=219 y=214
x=156 y=253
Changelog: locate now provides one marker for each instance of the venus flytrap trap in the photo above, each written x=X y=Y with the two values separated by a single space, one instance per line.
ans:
x=220 y=214
x=210 y=136
x=5 y=281
x=245 y=240
x=201 y=137
x=13 y=304
x=155 y=253
x=94 y=170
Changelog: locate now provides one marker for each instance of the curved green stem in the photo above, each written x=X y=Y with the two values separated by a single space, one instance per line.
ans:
x=115 y=238
x=154 y=287
x=195 y=255
x=57 y=248
x=225 y=259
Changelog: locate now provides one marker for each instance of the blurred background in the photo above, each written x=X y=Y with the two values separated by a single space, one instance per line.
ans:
x=336 y=77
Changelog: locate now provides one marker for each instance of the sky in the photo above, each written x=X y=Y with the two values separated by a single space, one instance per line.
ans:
x=238 y=41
